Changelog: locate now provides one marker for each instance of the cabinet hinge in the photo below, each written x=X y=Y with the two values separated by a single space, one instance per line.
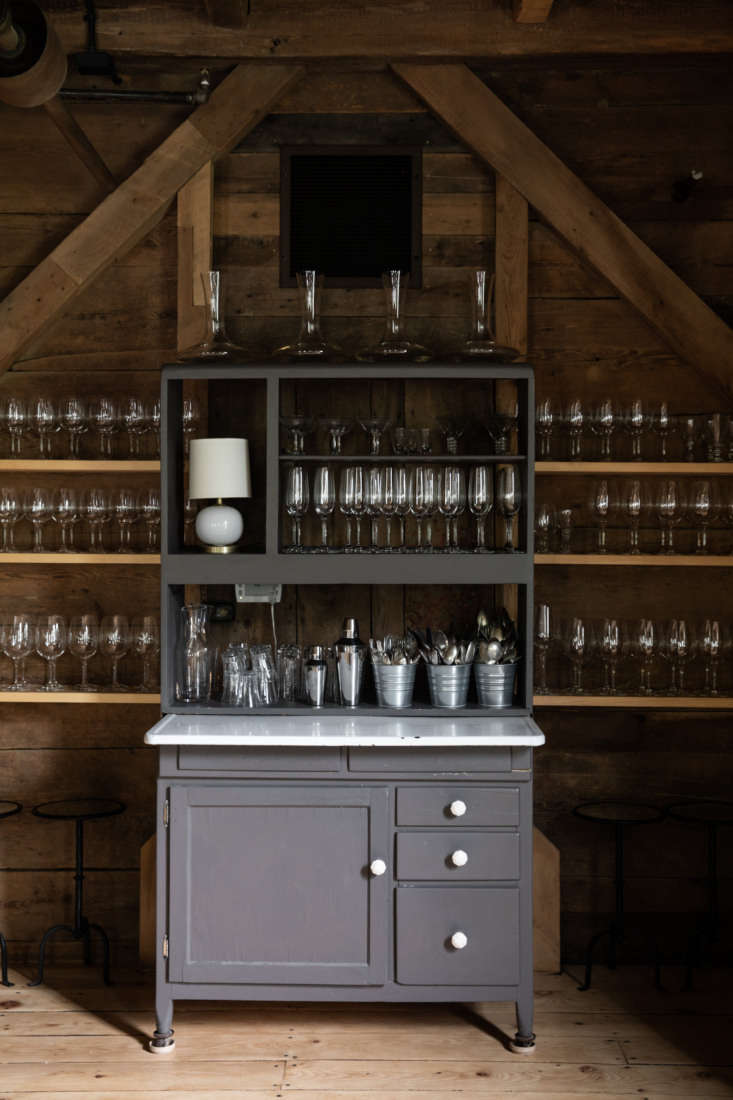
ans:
x=165 y=946
x=166 y=813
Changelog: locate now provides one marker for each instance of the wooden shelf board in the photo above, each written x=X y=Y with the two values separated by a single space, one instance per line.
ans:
x=397 y=460
x=708 y=469
x=136 y=697
x=52 y=558
x=636 y=702
x=721 y=561
x=80 y=465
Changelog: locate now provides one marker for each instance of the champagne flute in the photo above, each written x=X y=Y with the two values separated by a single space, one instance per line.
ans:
x=66 y=514
x=661 y=422
x=134 y=422
x=601 y=509
x=297 y=499
x=543 y=528
x=633 y=505
x=711 y=652
x=83 y=643
x=575 y=423
x=324 y=501
x=45 y=423
x=17 y=643
x=422 y=494
x=603 y=424
x=126 y=513
x=38 y=508
x=374 y=505
x=148 y=506
x=448 y=500
x=402 y=501
x=610 y=645
x=508 y=499
x=460 y=507
x=388 y=503
x=114 y=642
x=481 y=502
x=104 y=415
x=545 y=419
x=97 y=511
x=345 y=503
x=684 y=651
x=542 y=638
x=10 y=513
x=146 y=644
x=703 y=509
x=636 y=422
x=16 y=418
x=576 y=645
x=152 y=425
x=668 y=651
x=358 y=503
x=74 y=418
x=51 y=644
x=669 y=509
x=644 y=642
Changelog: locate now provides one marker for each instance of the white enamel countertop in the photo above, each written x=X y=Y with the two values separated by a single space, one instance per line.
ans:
x=331 y=730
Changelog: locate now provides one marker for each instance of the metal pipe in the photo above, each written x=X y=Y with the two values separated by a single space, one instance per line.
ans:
x=130 y=95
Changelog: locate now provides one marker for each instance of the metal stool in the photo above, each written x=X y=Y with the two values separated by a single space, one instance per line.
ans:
x=712 y=815
x=78 y=810
x=7 y=809
x=621 y=815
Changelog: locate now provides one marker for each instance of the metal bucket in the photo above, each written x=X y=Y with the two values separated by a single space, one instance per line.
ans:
x=449 y=685
x=495 y=684
x=395 y=684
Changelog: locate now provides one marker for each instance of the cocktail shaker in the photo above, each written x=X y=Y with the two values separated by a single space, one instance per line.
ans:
x=351 y=658
x=316 y=670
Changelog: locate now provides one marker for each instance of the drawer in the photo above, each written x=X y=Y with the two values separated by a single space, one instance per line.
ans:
x=431 y=805
x=225 y=758
x=411 y=759
x=425 y=856
x=427 y=917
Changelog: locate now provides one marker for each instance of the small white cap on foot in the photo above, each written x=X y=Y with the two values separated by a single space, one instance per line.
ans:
x=522 y=1048
x=155 y=1049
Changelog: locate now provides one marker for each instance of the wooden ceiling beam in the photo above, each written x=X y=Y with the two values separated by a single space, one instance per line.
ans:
x=532 y=11
x=500 y=139
x=138 y=204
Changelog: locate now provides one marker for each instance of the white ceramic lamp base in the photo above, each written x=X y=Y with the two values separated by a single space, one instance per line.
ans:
x=219 y=527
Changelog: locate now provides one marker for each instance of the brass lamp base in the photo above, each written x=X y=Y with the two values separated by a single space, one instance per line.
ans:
x=222 y=549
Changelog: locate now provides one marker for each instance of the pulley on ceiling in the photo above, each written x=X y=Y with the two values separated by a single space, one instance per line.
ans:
x=32 y=61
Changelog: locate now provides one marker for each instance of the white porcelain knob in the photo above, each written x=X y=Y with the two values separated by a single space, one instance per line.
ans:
x=457 y=808
x=459 y=940
x=377 y=867
x=459 y=858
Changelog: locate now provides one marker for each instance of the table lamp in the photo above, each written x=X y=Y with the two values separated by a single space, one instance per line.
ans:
x=219 y=469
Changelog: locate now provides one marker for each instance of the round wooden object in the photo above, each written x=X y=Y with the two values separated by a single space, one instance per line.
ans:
x=36 y=75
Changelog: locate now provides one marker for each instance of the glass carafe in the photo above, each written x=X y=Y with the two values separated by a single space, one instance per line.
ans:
x=395 y=344
x=481 y=344
x=216 y=344
x=193 y=658
x=311 y=343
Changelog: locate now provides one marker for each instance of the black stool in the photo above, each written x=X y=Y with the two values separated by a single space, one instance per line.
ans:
x=78 y=810
x=7 y=809
x=712 y=815
x=621 y=815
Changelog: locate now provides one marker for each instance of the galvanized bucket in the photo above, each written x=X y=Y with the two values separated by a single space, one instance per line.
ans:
x=449 y=685
x=495 y=684
x=395 y=684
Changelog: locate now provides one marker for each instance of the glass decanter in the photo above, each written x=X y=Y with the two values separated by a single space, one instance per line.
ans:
x=216 y=344
x=481 y=344
x=395 y=344
x=311 y=344
x=194 y=656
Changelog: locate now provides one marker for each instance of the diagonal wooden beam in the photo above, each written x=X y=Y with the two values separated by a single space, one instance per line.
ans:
x=498 y=137
x=195 y=250
x=138 y=204
x=532 y=11
x=60 y=115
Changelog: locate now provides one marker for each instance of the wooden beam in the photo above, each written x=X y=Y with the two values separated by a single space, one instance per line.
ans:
x=195 y=249
x=498 y=137
x=512 y=266
x=60 y=115
x=227 y=13
x=139 y=203
x=532 y=11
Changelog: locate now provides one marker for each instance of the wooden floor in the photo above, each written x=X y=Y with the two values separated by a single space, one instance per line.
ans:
x=74 y=1038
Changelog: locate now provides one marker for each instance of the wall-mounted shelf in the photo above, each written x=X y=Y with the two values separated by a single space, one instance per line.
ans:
x=398 y=460
x=636 y=702
x=79 y=466
x=720 y=561
x=55 y=558
x=671 y=469
x=127 y=697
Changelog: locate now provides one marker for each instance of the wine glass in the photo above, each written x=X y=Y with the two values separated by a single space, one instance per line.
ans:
x=66 y=514
x=423 y=502
x=44 y=421
x=375 y=427
x=545 y=420
x=703 y=507
x=643 y=644
x=690 y=426
x=148 y=507
x=51 y=644
x=633 y=504
x=83 y=643
x=603 y=424
x=297 y=499
x=191 y=420
x=298 y=428
x=480 y=502
x=324 y=501
x=146 y=644
x=114 y=642
x=577 y=650
x=96 y=509
x=564 y=524
x=450 y=432
x=134 y=422
x=508 y=500
x=337 y=428
x=542 y=638
x=669 y=506
x=358 y=502
x=610 y=646
x=38 y=508
x=500 y=425
x=661 y=422
x=575 y=423
x=374 y=505
x=10 y=513
x=74 y=418
x=636 y=422
x=152 y=424
x=402 y=501
x=711 y=654
x=451 y=495
x=16 y=418
x=388 y=503
x=126 y=514
x=684 y=652
x=601 y=510
x=345 y=503
x=104 y=416
x=667 y=648
x=17 y=642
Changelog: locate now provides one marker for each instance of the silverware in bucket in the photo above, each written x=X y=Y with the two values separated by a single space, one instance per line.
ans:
x=448 y=685
x=395 y=684
x=495 y=684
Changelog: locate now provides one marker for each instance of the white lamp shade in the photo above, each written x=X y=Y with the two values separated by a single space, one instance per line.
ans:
x=219 y=469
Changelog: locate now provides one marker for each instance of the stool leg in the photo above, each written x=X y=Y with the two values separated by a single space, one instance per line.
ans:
x=4 y=960
x=589 y=956
x=617 y=928
x=105 y=948
x=79 y=881
x=707 y=927
x=42 y=950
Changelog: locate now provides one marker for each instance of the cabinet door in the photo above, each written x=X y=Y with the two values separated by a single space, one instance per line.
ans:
x=272 y=885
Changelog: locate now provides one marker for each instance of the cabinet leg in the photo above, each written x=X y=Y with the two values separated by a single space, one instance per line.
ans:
x=524 y=1041
x=163 y=1041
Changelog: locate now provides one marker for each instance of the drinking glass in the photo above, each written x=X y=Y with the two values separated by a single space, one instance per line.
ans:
x=508 y=500
x=375 y=427
x=38 y=508
x=104 y=416
x=358 y=503
x=45 y=423
x=74 y=418
x=545 y=419
x=451 y=501
x=345 y=503
x=661 y=422
x=17 y=642
x=542 y=637
x=610 y=646
x=683 y=651
x=500 y=425
x=669 y=505
x=450 y=432
x=114 y=642
x=543 y=525
x=388 y=503
x=400 y=441
x=96 y=509
x=51 y=644
x=126 y=514
x=83 y=643
x=66 y=514
x=644 y=645
x=152 y=425
x=576 y=645
x=134 y=422
x=633 y=503
x=603 y=424
x=564 y=522
x=374 y=505
x=711 y=654
x=481 y=502
x=297 y=499
x=575 y=423
x=337 y=428
x=424 y=500
x=636 y=422
x=148 y=506
x=402 y=501
x=10 y=513
x=690 y=426
x=324 y=501
x=703 y=511
x=146 y=644
x=298 y=429
x=601 y=509
x=715 y=432
x=190 y=421
x=667 y=649
x=16 y=418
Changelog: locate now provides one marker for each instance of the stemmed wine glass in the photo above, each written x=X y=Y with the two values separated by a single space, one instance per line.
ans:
x=51 y=644
x=644 y=644
x=610 y=646
x=675 y=647
x=17 y=642
x=373 y=505
x=358 y=502
x=601 y=509
x=575 y=422
x=603 y=424
x=135 y=423
x=297 y=499
x=423 y=503
x=402 y=501
x=45 y=423
x=126 y=514
x=669 y=510
x=636 y=422
x=83 y=643
x=337 y=428
x=703 y=508
x=500 y=425
x=148 y=506
x=16 y=418
x=375 y=427
x=152 y=424
x=542 y=638
x=662 y=424
x=38 y=508
x=481 y=502
x=10 y=513
x=146 y=644
x=74 y=419
x=451 y=502
x=711 y=653
x=345 y=503
x=191 y=420
x=576 y=645
x=324 y=501
x=97 y=511
x=451 y=431
x=633 y=503
x=104 y=416
x=66 y=514
x=508 y=500
x=388 y=503
x=545 y=417
x=114 y=642
x=298 y=429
